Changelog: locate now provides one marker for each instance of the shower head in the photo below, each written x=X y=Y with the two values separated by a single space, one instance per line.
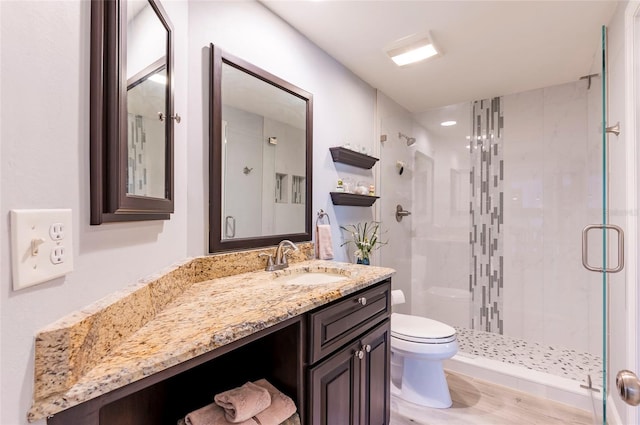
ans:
x=410 y=140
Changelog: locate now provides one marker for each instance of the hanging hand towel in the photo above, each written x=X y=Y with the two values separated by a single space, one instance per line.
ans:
x=324 y=245
x=244 y=402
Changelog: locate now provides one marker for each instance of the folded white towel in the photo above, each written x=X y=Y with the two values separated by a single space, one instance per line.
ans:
x=324 y=245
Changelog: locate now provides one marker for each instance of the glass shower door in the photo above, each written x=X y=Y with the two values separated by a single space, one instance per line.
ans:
x=499 y=202
x=605 y=322
x=607 y=237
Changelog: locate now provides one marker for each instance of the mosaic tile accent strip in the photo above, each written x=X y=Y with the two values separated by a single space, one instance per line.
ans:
x=566 y=363
x=137 y=174
x=486 y=208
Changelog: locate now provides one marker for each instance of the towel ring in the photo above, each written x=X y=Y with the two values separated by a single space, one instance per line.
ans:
x=321 y=215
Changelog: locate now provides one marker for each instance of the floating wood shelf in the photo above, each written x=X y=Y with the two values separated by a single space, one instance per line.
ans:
x=343 y=198
x=357 y=159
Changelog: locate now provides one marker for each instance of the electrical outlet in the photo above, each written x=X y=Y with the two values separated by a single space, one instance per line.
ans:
x=57 y=254
x=56 y=231
x=41 y=245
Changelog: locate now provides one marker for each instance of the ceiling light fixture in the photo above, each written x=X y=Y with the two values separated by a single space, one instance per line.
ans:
x=448 y=123
x=412 y=49
x=158 y=78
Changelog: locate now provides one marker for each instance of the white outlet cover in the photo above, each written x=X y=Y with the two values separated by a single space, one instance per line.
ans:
x=30 y=225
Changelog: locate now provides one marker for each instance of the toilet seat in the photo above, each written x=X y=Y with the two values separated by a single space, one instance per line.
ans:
x=421 y=330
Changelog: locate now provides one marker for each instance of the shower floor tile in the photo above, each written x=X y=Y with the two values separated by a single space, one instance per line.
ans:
x=557 y=361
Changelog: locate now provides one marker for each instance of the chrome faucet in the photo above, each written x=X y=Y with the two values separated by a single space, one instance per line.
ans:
x=281 y=256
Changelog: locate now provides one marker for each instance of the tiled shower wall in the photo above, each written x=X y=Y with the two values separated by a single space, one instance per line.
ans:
x=137 y=174
x=545 y=158
x=553 y=174
x=486 y=278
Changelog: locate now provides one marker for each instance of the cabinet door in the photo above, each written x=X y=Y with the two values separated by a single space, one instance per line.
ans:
x=335 y=389
x=375 y=377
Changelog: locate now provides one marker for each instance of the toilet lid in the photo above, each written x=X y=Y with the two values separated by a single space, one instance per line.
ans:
x=420 y=329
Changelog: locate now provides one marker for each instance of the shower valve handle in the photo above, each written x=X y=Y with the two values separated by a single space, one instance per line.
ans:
x=401 y=213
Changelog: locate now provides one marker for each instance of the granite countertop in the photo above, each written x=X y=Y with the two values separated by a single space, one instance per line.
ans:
x=206 y=316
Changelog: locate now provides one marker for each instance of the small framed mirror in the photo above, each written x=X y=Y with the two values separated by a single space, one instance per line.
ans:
x=261 y=147
x=132 y=115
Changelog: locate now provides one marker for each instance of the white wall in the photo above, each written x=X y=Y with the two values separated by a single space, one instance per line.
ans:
x=441 y=190
x=288 y=158
x=243 y=148
x=396 y=189
x=45 y=143
x=146 y=39
x=44 y=118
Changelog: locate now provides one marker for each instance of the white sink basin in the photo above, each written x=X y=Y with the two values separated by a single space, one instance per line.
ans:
x=311 y=278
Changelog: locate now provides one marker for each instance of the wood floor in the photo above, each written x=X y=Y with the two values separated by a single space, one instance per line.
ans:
x=477 y=402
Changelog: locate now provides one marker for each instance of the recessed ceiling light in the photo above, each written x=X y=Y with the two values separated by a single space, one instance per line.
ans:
x=448 y=123
x=158 y=78
x=412 y=49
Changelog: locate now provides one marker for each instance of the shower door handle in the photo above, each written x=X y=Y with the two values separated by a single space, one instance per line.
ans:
x=585 y=248
x=230 y=226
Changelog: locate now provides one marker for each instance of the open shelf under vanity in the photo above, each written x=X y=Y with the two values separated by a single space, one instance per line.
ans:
x=275 y=354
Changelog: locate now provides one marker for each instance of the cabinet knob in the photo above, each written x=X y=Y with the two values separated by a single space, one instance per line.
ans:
x=362 y=301
x=367 y=348
x=359 y=354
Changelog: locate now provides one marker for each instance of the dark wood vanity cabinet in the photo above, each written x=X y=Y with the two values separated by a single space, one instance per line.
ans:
x=377 y=375
x=334 y=362
x=335 y=389
x=346 y=389
x=349 y=385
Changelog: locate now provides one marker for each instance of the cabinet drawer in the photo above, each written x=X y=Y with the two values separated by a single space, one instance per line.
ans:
x=336 y=325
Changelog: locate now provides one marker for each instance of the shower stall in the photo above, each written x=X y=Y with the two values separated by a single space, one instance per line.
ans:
x=499 y=202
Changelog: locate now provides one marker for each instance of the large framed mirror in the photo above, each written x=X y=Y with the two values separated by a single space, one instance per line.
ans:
x=132 y=115
x=261 y=147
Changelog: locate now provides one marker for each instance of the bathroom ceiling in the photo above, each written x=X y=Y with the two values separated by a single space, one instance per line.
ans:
x=490 y=48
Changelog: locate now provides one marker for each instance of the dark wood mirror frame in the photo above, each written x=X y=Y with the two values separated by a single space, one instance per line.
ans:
x=216 y=243
x=110 y=201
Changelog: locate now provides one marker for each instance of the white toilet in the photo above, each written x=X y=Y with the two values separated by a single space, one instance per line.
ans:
x=418 y=347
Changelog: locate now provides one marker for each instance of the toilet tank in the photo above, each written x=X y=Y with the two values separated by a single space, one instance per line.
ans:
x=447 y=305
